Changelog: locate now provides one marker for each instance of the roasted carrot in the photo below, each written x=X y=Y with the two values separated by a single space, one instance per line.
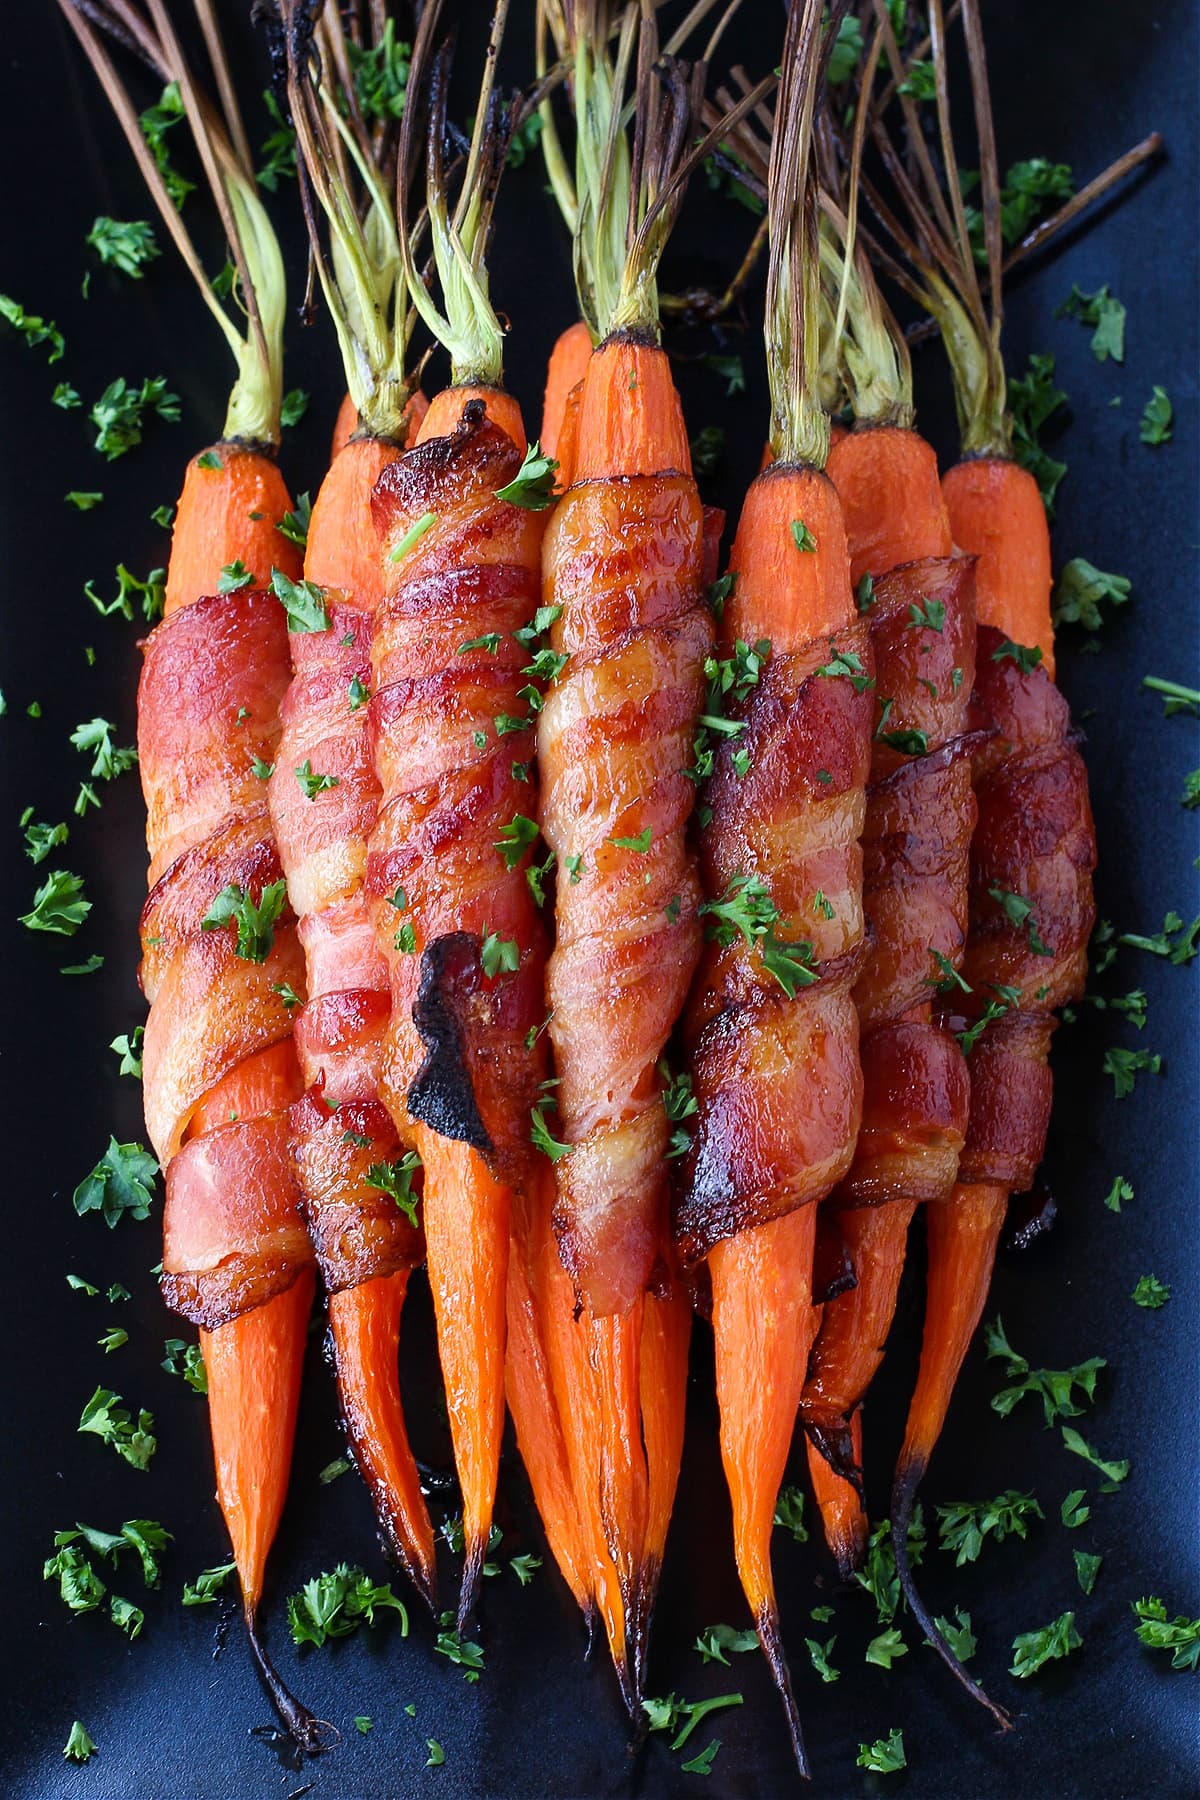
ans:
x=560 y=407
x=456 y=918
x=324 y=797
x=843 y=1517
x=1034 y=844
x=771 y=1029
x=236 y=1259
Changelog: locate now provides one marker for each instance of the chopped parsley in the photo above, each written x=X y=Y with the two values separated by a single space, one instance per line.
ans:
x=1032 y=1650
x=1125 y=1065
x=380 y=76
x=233 y=576
x=82 y=502
x=294 y=524
x=79 y=1746
x=255 y=923
x=34 y=329
x=909 y=743
x=717 y=1639
x=119 y=413
x=747 y=910
x=802 y=537
x=927 y=615
x=108 y=761
x=1180 y=1635
x=885 y=1755
x=311 y=784
x=1157 y=416
x=1027 y=657
x=960 y=1637
x=1105 y=314
x=878 y=1574
x=1072 y=1511
x=207 y=1585
x=1019 y=912
x=679 y=1103
x=963 y=1525
x=186 y=1359
x=105 y=1417
x=489 y=641
x=497 y=954
x=396 y=1180
x=532 y=488
x=1033 y=399
x=789 y=1513
x=1082 y=589
x=413 y=535
x=1114 y=1472
x=295 y=402
x=541 y=1139
x=467 y=1655
x=1150 y=1292
x=1120 y=1190
x=523 y=1567
x=515 y=839
x=124 y=244
x=641 y=843
x=58 y=905
x=155 y=123
x=819 y=1655
x=1177 y=942
x=1053 y=1387
x=40 y=839
x=287 y=994
x=121 y=1182
x=1087 y=1567
x=334 y=1605
x=303 y=602
x=152 y=593
x=885 y=1648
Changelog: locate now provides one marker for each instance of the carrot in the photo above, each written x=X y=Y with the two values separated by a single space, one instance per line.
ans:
x=774 y=1054
x=344 y=1142
x=887 y=481
x=236 y=1259
x=566 y=369
x=1034 y=835
x=842 y=1516
x=996 y=513
x=346 y=425
x=446 y=409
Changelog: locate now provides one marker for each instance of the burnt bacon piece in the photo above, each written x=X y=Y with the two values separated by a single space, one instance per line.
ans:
x=449 y=790
x=921 y=812
x=771 y=1135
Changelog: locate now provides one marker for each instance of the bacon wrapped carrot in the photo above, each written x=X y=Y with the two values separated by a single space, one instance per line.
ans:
x=220 y=953
x=1033 y=851
x=356 y=1181
x=454 y=893
x=771 y=1026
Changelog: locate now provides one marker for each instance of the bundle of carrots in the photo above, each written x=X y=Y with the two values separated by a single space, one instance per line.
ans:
x=527 y=903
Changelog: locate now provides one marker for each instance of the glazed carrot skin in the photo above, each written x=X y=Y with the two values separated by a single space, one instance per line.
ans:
x=219 y=1067
x=340 y=1130
x=887 y=481
x=453 y=737
x=996 y=513
x=567 y=367
x=623 y=563
x=842 y=1517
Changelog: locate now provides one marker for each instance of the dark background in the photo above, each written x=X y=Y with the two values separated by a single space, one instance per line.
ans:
x=1078 y=82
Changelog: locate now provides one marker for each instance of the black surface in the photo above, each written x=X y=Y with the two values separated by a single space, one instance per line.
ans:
x=1076 y=81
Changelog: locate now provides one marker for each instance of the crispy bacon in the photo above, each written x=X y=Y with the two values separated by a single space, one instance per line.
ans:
x=208 y=704
x=358 y=1230
x=623 y=560
x=1036 y=842
x=777 y=1079
x=452 y=736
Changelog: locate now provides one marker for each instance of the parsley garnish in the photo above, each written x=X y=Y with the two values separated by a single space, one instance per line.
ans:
x=302 y=601
x=186 y=1359
x=1054 y=1387
x=152 y=591
x=878 y=1574
x=1114 y=1472
x=515 y=839
x=124 y=244
x=58 y=905
x=1073 y=1512
x=1105 y=314
x=115 y=1338
x=1082 y=587
x=1087 y=1567
x=1020 y=913
x=396 y=1179
x=802 y=537
x=641 y=843
x=1124 y=1067
x=437 y=1755
x=1025 y=194
x=118 y=413
x=1180 y=1635
x=927 y=615
x=40 y=839
x=532 y=488
x=155 y=122
x=107 y=760
x=294 y=404
x=497 y=954
x=294 y=525
x=33 y=329
x=789 y=1513
x=255 y=923
x=819 y=1655
x=79 y=1746
x=413 y=535
x=747 y=910
x=381 y=75
x=82 y=502
x=950 y=977
x=540 y=1138
x=467 y=1655
x=1177 y=942
x=963 y=1525
x=909 y=743
x=1033 y=1649
x=960 y=1637
x=885 y=1755
x=717 y=1639
x=1157 y=416
x=1120 y=1190
x=490 y=641
x=849 y=664
x=233 y=576
x=207 y=1585
x=523 y=1567
x=334 y=1605
x=106 y=1419
x=1176 y=699
x=66 y=396
x=121 y=1182
x=1150 y=1292
x=311 y=784
x=1026 y=657
x=885 y=1648
x=1033 y=398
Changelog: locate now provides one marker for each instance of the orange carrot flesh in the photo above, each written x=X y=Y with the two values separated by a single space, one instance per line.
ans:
x=996 y=513
x=567 y=367
x=254 y=1365
x=343 y=547
x=446 y=410
x=666 y=1335
x=467 y=1221
x=892 y=502
x=365 y=1321
x=842 y=1516
x=781 y=592
x=854 y=1325
x=532 y=1400
x=232 y=501
x=346 y=424
x=630 y=417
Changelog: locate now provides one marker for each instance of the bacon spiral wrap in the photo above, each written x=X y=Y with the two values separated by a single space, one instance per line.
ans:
x=1035 y=840
x=777 y=1079
x=623 y=560
x=920 y=816
x=209 y=700
x=452 y=737
x=339 y=1129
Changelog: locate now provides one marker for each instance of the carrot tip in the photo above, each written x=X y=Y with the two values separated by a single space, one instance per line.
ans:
x=909 y=1476
x=472 y=1577
x=423 y=1579
x=835 y=1442
x=309 y=1734
x=767 y=1625
x=639 y=1613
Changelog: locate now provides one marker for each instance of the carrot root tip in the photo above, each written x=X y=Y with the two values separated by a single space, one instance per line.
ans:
x=769 y=1636
x=909 y=1476
x=309 y=1734
x=423 y=1580
x=834 y=1440
x=472 y=1580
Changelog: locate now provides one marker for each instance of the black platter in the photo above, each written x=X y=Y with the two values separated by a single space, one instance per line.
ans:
x=1076 y=82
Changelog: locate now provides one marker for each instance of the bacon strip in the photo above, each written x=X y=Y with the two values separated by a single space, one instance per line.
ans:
x=451 y=780
x=623 y=561
x=777 y=1079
